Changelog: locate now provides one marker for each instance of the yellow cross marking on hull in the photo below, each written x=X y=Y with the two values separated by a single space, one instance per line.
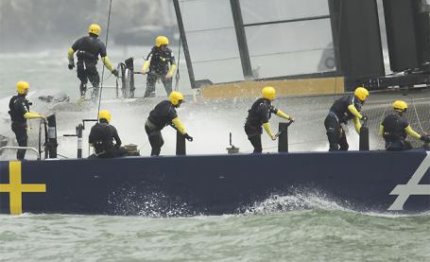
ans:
x=15 y=188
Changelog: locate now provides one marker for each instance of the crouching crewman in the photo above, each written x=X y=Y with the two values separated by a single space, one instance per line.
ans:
x=102 y=135
x=395 y=128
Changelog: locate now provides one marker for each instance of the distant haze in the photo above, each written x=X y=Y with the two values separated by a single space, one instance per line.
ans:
x=39 y=24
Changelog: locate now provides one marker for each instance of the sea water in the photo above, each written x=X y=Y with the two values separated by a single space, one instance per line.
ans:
x=288 y=229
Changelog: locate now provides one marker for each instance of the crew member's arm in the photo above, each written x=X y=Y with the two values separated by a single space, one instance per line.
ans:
x=172 y=68
x=20 y=107
x=147 y=63
x=70 y=54
x=280 y=113
x=268 y=130
x=172 y=71
x=412 y=132
x=381 y=130
x=71 y=51
x=357 y=124
x=179 y=125
x=116 y=137
x=107 y=63
x=354 y=111
x=33 y=115
x=92 y=138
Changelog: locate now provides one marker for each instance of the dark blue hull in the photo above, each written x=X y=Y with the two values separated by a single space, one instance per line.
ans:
x=215 y=184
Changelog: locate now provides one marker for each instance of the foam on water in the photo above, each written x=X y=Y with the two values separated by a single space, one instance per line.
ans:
x=298 y=201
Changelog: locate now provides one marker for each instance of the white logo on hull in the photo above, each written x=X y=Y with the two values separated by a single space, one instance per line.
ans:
x=412 y=187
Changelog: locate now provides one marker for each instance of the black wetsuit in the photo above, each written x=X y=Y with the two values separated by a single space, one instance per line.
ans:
x=394 y=132
x=339 y=113
x=18 y=106
x=161 y=116
x=101 y=137
x=88 y=49
x=260 y=113
x=158 y=68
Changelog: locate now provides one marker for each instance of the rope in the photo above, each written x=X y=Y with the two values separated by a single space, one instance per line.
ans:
x=103 y=70
x=177 y=69
x=416 y=114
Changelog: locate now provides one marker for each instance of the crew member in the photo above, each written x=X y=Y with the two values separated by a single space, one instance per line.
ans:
x=159 y=64
x=88 y=49
x=259 y=115
x=162 y=115
x=344 y=109
x=19 y=110
x=395 y=128
x=102 y=135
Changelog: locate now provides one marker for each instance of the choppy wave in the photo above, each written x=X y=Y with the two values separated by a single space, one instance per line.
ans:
x=298 y=201
x=311 y=200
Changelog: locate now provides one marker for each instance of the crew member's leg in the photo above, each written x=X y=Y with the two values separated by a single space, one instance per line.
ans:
x=20 y=131
x=82 y=75
x=151 y=79
x=332 y=127
x=167 y=85
x=93 y=76
x=256 y=143
x=397 y=145
x=254 y=136
x=155 y=140
x=120 y=152
x=342 y=140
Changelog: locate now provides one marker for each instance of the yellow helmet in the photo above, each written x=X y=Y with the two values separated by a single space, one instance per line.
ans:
x=22 y=87
x=94 y=29
x=361 y=93
x=268 y=92
x=176 y=98
x=400 y=105
x=105 y=114
x=161 y=40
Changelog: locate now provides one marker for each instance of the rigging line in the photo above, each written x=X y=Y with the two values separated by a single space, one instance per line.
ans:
x=103 y=70
x=416 y=114
x=177 y=69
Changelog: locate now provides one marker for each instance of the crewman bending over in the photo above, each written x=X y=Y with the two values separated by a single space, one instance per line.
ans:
x=163 y=114
x=102 y=135
x=395 y=128
x=344 y=109
x=259 y=115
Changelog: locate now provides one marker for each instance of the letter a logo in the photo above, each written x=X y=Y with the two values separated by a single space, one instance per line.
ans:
x=412 y=187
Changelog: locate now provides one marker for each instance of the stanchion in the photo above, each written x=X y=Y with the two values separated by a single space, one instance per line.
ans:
x=364 y=137
x=180 y=144
x=283 y=137
x=79 y=132
x=52 y=144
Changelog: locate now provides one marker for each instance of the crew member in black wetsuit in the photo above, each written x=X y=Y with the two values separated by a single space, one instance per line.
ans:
x=88 y=49
x=102 y=135
x=395 y=128
x=344 y=109
x=159 y=64
x=162 y=115
x=259 y=115
x=19 y=110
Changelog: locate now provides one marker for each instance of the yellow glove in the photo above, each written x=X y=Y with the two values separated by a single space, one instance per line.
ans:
x=172 y=70
x=145 y=67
